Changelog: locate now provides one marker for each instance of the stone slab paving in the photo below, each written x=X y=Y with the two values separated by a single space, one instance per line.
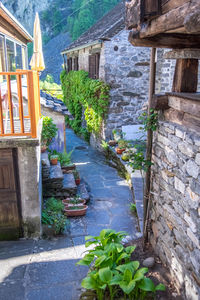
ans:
x=45 y=269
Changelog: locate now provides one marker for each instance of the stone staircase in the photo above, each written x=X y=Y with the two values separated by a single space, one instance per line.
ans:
x=59 y=185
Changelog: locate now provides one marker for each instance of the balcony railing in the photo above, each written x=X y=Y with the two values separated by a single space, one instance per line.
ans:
x=19 y=103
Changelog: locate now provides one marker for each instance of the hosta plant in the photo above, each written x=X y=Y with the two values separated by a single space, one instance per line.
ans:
x=113 y=274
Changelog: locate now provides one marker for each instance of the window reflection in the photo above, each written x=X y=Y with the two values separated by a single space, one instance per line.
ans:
x=18 y=57
x=10 y=49
x=2 y=57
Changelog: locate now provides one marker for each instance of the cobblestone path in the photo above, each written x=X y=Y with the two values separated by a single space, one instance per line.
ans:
x=45 y=269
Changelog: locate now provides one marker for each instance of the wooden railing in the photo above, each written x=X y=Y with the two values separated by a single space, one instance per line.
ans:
x=24 y=89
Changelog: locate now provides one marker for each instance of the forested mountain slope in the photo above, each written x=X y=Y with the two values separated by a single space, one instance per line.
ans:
x=59 y=17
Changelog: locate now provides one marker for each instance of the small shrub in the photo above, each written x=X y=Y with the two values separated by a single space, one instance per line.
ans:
x=49 y=130
x=113 y=274
x=52 y=215
x=65 y=158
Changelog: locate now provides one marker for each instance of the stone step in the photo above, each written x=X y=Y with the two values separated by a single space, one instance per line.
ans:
x=83 y=192
x=69 y=185
x=56 y=174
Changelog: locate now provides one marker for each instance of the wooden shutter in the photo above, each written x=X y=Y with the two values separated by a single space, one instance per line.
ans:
x=149 y=9
x=69 y=64
x=76 y=66
x=94 y=60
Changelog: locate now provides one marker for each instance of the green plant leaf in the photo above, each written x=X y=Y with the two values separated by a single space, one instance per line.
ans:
x=105 y=275
x=88 y=283
x=130 y=249
x=146 y=284
x=160 y=287
x=127 y=275
x=127 y=288
x=99 y=260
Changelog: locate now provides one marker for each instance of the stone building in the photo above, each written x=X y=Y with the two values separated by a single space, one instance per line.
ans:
x=174 y=194
x=104 y=51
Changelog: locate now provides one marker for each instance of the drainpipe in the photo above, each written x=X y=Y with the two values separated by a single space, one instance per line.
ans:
x=149 y=146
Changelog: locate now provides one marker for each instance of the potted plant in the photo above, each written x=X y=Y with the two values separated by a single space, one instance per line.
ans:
x=49 y=130
x=43 y=147
x=112 y=143
x=116 y=135
x=122 y=145
x=76 y=201
x=54 y=159
x=77 y=177
x=75 y=210
x=53 y=219
x=65 y=161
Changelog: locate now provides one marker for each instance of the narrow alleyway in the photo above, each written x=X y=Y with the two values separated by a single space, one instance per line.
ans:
x=45 y=269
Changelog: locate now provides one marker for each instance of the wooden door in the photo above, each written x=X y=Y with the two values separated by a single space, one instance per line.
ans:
x=9 y=204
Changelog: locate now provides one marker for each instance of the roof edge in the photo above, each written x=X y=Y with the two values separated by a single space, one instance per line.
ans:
x=23 y=30
x=81 y=47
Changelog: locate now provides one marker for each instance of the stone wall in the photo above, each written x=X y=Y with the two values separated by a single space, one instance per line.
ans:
x=175 y=199
x=126 y=69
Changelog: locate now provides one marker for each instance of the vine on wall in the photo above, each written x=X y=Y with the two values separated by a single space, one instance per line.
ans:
x=82 y=93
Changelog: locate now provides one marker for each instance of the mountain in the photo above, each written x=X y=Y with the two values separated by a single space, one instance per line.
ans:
x=61 y=21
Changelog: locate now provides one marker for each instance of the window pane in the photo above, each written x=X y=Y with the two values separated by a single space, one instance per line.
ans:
x=2 y=57
x=18 y=56
x=24 y=58
x=10 y=56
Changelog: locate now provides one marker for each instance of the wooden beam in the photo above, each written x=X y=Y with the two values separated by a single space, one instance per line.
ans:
x=160 y=102
x=172 y=20
x=184 y=105
x=183 y=54
x=186 y=76
x=192 y=22
x=166 y=40
x=132 y=14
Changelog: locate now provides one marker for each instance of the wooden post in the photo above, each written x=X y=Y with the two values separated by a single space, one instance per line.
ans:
x=1 y=115
x=149 y=142
x=186 y=76
x=10 y=104
x=31 y=103
x=21 y=113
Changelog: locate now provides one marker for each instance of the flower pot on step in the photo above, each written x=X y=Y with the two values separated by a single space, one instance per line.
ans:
x=119 y=151
x=68 y=168
x=78 y=181
x=43 y=149
x=71 y=201
x=112 y=143
x=76 y=211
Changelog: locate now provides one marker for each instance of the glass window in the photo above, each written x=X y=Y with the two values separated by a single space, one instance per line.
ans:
x=24 y=58
x=18 y=57
x=2 y=57
x=10 y=50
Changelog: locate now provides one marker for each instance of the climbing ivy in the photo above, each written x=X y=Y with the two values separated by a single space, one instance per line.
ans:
x=83 y=94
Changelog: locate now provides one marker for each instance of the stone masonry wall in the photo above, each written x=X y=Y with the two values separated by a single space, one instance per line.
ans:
x=175 y=199
x=126 y=69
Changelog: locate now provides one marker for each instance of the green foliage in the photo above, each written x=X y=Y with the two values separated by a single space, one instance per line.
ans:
x=150 y=121
x=104 y=145
x=113 y=273
x=122 y=144
x=91 y=11
x=138 y=162
x=49 y=130
x=82 y=93
x=52 y=215
x=30 y=50
x=65 y=158
x=54 y=157
x=133 y=208
x=49 y=86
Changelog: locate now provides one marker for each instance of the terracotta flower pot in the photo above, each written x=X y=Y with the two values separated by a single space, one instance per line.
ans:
x=43 y=149
x=66 y=169
x=112 y=143
x=66 y=202
x=54 y=161
x=78 y=181
x=119 y=151
x=76 y=212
